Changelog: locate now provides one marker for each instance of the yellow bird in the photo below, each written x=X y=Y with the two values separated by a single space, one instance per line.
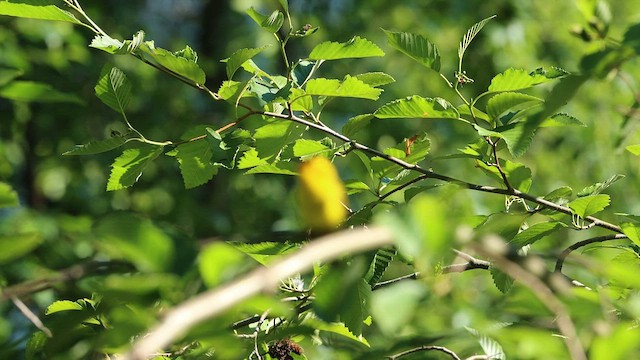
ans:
x=322 y=196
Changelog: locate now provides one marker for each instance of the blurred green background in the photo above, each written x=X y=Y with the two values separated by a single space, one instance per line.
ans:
x=62 y=198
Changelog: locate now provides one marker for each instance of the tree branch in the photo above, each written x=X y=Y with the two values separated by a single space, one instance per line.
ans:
x=213 y=302
x=72 y=273
x=582 y=243
x=443 y=349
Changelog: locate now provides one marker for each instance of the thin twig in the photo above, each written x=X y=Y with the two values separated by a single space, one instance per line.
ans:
x=582 y=243
x=443 y=349
x=403 y=186
x=72 y=273
x=24 y=309
x=213 y=302
x=545 y=295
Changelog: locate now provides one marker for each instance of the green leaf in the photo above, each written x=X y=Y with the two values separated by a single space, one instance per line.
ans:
x=502 y=281
x=305 y=147
x=491 y=347
x=40 y=10
x=403 y=298
x=632 y=230
x=184 y=67
x=267 y=251
x=220 y=262
x=634 y=149
x=7 y=75
x=334 y=328
x=8 y=196
x=375 y=78
x=357 y=47
x=235 y=61
x=271 y=23
x=300 y=100
x=63 y=305
x=356 y=186
x=274 y=136
x=589 y=205
x=138 y=240
x=284 y=4
x=561 y=120
x=519 y=175
x=250 y=159
x=561 y=193
x=196 y=167
x=468 y=37
x=416 y=47
x=29 y=91
x=278 y=169
x=515 y=79
x=517 y=136
x=379 y=265
x=503 y=102
x=99 y=146
x=536 y=232
x=127 y=168
x=350 y=87
x=355 y=124
x=108 y=44
x=13 y=247
x=114 y=89
x=597 y=188
x=417 y=107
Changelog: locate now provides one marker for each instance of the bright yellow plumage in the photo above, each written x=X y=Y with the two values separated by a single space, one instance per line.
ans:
x=321 y=195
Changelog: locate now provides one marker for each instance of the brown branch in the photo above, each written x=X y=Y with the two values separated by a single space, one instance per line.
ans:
x=545 y=295
x=443 y=349
x=69 y=274
x=582 y=243
x=35 y=320
x=181 y=318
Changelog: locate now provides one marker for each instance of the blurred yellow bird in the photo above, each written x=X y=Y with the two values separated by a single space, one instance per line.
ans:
x=322 y=196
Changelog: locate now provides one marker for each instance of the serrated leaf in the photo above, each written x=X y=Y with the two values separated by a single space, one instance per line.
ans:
x=63 y=305
x=465 y=112
x=108 y=44
x=379 y=265
x=536 y=232
x=502 y=281
x=114 y=89
x=561 y=193
x=235 y=61
x=127 y=168
x=375 y=78
x=300 y=100
x=334 y=328
x=561 y=120
x=273 y=137
x=350 y=87
x=39 y=10
x=30 y=91
x=597 y=188
x=196 y=167
x=469 y=36
x=271 y=23
x=417 y=107
x=13 y=247
x=516 y=79
x=357 y=47
x=99 y=146
x=355 y=124
x=8 y=196
x=517 y=136
x=250 y=159
x=632 y=230
x=589 y=205
x=305 y=147
x=491 y=348
x=180 y=65
x=416 y=47
x=278 y=169
x=502 y=102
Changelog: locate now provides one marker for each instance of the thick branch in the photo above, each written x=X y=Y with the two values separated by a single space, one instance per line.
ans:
x=211 y=303
x=579 y=244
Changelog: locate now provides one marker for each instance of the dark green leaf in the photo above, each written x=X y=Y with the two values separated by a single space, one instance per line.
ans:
x=271 y=23
x=355 y=124
x=379 y=265
x=536 y=232
x=8 y=196
x=7 y=75
x=97 y=147
x=114 y=89
x=503 y=282
x=519 y=175
x=29 y=91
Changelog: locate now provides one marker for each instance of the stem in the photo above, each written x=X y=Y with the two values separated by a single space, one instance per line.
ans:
x=443 y=349
x=503 y=175
x=579 y=244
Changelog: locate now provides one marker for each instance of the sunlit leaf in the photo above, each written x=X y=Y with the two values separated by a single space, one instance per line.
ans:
x=7 y=75
x=127 y=168
x=63 y=305
x=589 y=205
x=503 y=102
x=355 y=124
x=114 y=89
x=417 y=107
x=306 y=147
x=271 y=23
x=357 y=47
x=470 y=35
x=235 y=61
x=375 y=78
x=416 y=47
x=278 y=169
x=515 y=79
x=350 y=87
x=195 y=162
x=517 y=136
x=519 y=175
x=597 y=188
x=536 y=232
x=265 y=252
x=561 y=120
x=179 y=65
x=220 y=262
x=13 y=247
x=634 y=149
x=41 y=10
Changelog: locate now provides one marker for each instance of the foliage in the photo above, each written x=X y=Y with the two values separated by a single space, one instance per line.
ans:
x=448 y=188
